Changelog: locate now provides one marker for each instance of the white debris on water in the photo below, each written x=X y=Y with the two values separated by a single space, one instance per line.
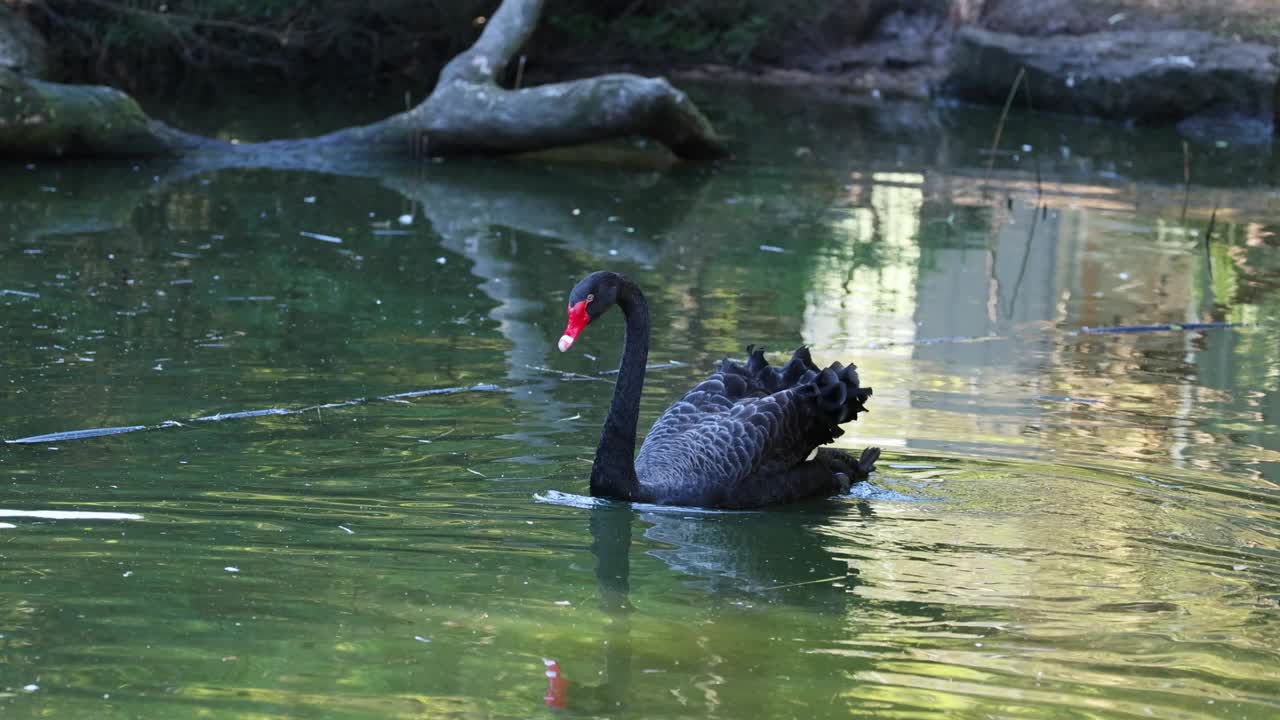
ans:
x=69 y=515
x=321 y=237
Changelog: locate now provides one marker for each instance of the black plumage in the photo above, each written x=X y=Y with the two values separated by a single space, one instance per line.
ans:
x=744 y=437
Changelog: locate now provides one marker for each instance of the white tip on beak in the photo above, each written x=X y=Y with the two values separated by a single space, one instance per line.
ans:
x=565 y=342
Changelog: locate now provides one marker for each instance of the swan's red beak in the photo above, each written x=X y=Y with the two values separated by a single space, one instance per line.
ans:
x=578 y=319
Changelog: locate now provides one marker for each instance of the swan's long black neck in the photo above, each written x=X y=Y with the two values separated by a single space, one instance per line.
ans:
x=613 y=474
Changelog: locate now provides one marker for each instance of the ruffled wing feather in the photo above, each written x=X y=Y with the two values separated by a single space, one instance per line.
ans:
x=738 y=438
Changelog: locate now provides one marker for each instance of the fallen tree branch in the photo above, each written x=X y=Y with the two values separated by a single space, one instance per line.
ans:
x=468 y=113
x=44 y=119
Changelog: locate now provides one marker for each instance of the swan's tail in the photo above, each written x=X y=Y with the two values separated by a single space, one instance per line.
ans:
x=840 y=394
x=837 y=392
x=836 y=389
x=799 y=370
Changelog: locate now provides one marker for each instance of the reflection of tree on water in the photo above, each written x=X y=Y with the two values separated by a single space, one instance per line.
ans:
x=505 y=219
x=928 y=248
x=771 y=556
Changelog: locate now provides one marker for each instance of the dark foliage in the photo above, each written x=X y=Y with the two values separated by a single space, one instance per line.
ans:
x=157 y=43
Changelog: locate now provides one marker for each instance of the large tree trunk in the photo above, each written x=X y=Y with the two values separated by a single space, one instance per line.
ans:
x=468 y=113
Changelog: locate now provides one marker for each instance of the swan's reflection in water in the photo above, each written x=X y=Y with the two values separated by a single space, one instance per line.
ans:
x=775 y=555
x=611 y=546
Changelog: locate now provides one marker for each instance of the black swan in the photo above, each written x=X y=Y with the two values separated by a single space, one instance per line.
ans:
x=744 y=437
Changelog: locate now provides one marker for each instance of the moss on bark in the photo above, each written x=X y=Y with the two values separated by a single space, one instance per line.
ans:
x=44 y=119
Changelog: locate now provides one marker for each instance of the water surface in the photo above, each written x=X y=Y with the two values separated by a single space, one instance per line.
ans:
x=1070 y=520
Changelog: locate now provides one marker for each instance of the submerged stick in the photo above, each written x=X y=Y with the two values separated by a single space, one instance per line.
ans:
x=1086 y=330
x=833 y=578
x=1163 y=327
x=647 y=368
x=278 y=411
x=565 y=374
x=75 y=435
x=241 y=415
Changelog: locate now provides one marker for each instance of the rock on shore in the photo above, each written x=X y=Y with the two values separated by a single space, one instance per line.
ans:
x=1147 y=77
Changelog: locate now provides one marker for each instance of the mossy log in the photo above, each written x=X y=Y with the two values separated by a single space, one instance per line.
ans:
x=468 y=113
x=44 y=119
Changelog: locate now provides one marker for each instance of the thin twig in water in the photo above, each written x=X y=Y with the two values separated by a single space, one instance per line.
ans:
x=1004 y=114
x=647 y=368
x=1026 y=91
x=565 y=374
x=806 y=582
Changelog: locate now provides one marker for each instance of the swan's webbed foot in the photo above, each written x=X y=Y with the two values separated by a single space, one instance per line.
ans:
x=840 y=471
x=867 y=463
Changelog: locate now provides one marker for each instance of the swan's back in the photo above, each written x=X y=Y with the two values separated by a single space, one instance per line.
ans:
x=738 y=438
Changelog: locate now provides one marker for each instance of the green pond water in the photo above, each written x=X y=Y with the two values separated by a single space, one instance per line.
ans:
x=1065 y=524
